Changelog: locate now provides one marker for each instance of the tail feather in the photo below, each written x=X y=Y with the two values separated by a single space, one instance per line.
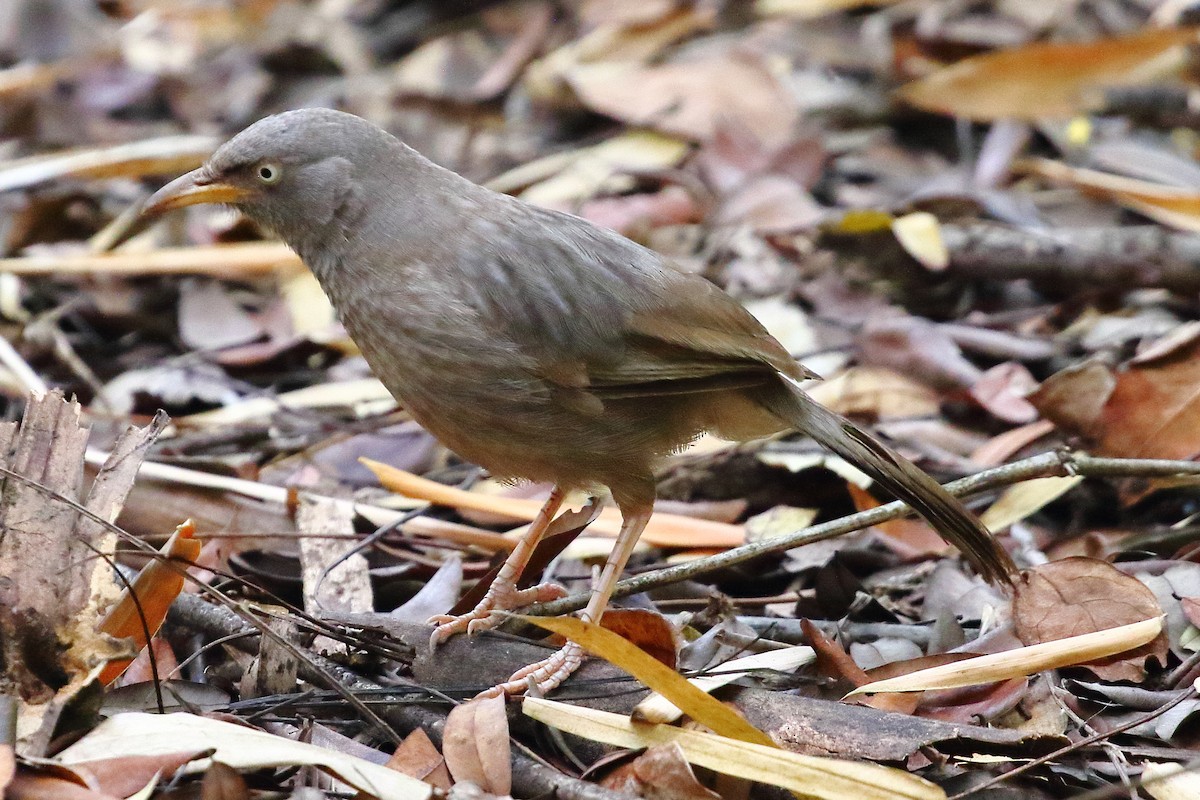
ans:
x=895 y=473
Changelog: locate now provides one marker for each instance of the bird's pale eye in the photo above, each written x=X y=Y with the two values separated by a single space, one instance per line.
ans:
x=268 y=173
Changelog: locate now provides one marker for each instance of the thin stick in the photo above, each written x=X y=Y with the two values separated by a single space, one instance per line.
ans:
x=1060 y=463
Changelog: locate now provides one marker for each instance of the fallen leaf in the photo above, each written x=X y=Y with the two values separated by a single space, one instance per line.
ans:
x=876 y=393
x=1172 y=206
x=835 y=662
x=223 y=782
x=240 y=747
x=1028 y=497
x=921 y=237
x=475 y=745
x=662 y=773
x=823 y=778
x=656 y=708
x=1170 y=781
x=1048 y=80
x=417 y=757
x=694 y=702
x=1003 y=391
x=1152 y=409
x=689 y=99
x=664 y=530
x=1023 y=661
x=1079 y=595
x=155 y=589
x=649 y=631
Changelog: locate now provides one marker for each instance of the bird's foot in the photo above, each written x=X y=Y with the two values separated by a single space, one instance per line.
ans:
x=542 y=676
x=488 y=613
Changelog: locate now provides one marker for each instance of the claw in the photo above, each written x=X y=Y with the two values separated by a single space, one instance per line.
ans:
x=541 y=676
x=484 y=616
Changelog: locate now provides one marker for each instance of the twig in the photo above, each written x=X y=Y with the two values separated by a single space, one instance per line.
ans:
x=1122 y=258
x=1073 y=746
x=530 y=779
x=1060 y=463
x=227 y=261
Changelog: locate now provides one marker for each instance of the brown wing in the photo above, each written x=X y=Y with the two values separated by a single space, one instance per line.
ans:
x=692 y=338
x=605 y=317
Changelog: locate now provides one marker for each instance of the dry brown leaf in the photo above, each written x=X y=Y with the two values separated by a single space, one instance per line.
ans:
x=1147 y=410
x=876 y=393
x=223 y=782
x=1041 y=81
x=1003 y=391
x=417 y=757
x=1079 y=595
x=30 y=785
x=476 y=747
x=636 y=213
x=1073 y=398
x=835 y=662
x=1191 y=609
x=910 y=537
x=661 y=773
x=1001 y=447
x=689 y=99
x=142 y=669
x=648 y=630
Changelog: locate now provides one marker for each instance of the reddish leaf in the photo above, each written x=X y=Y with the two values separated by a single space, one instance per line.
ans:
x=648 y=630
x=1084 y=595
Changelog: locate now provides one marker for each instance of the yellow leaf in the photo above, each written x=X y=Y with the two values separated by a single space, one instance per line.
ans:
x=1019 y=501
x=823 y=778
x=1022 y=661
x=921 y=237
x=862 y=220
x=1170 y=781
x=702 y=708
x=657 y=708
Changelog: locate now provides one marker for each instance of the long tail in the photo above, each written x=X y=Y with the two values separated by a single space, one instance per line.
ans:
x=894 y=472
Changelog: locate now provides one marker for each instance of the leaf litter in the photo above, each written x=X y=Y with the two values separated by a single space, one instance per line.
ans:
x=980 y=290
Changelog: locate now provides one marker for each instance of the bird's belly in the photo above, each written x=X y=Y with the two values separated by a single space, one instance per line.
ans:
x=488 y=405
x=519 y=430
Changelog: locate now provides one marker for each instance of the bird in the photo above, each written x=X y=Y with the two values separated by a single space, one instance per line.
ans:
x=531 y=342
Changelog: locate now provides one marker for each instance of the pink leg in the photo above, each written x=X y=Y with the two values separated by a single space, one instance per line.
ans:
x=549 y=673
x=503 y=594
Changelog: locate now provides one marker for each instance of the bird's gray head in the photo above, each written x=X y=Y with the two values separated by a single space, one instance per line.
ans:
x=295 y=172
